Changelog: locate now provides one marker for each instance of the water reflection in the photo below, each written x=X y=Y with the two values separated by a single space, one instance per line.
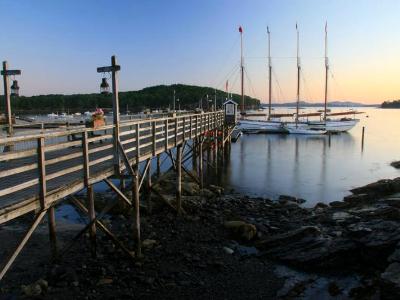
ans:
x=309 y=166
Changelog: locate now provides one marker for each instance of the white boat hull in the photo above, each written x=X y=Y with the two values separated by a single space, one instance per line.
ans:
x=258 y=126
x=334 y=125
x=305 y=131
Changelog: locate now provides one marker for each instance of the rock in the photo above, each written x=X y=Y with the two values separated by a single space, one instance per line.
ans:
x=147 y=243
x=395 y=164
x=285 y=199
x=216 y=189
x=35 y=289
x=241 y=230
x=228 y=250
x=338 y=204
x=357 y=199
x=288 y=237
x=190 y=188
x=341 y=216
x=104 y=281
x=207 y=193
x=321 y=205
x=395 y=256
x=391 y=279
x=379 y=188
x=334 y=289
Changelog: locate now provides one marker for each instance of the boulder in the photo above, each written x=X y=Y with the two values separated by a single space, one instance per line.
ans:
x=379 y=188
x=241 y=230
x=391 y=281
x=395 y=164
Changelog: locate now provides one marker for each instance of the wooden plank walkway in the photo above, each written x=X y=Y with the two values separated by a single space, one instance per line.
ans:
x=52 y=167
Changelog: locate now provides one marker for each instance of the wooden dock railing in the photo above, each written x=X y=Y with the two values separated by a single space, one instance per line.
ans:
x=52 y=165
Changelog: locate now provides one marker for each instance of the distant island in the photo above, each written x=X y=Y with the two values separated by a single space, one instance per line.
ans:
x=391 y=104
x=330 y=104
x=155 y=97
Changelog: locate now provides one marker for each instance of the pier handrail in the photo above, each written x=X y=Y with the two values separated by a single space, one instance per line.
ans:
x=36 y=177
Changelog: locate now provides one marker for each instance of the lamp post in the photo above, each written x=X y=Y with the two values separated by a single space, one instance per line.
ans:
x=114 y=68
x=14 y=91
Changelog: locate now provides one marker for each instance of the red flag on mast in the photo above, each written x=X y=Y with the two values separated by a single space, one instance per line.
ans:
x=240 y=29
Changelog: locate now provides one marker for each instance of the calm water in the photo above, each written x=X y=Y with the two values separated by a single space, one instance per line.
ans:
x=269 y=165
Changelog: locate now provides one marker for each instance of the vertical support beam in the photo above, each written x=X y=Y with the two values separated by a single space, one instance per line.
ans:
x=176 y=132
x=135 y=194
x=183 y=129
x=153 y=130
x=179 y=179
x=42 y=172
x=191 y=127
x=148 y=188
x=51 y=219
x=158 y=165
x=115 y=106
x=136 y=201
x=166 y=134
x=6 y=82
x=42 y=193
x=201 y=164
x=194 y=153
x=89 y=192
x=216 y=150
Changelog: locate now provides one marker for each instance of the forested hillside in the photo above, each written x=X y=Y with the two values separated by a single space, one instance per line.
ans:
x=156 y=97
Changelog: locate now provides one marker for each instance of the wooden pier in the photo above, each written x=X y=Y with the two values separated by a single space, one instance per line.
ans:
x=40 y=170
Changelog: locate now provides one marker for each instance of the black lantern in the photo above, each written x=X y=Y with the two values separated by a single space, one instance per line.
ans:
x=104 y=87
x=14 y=88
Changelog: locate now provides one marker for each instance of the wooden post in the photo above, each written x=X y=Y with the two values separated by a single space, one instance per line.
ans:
x=89 y=192
x=158 y=165
x=179 y=179
x=136 y=200
x=362 y=138
x=7 y=99
x=42 y=173
x=42 y=192
x=216 y=150
x=115 y=106
x=153 y=131
x=176 y=131
x=201 y=164
x=148 y=188
x=135 y=194
x=166 y=134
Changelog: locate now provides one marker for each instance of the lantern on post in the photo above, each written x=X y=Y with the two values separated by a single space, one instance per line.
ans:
x=113 y=69
x=14 y=89
x=104 y=86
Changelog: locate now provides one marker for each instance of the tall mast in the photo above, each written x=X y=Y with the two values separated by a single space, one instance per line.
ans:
x=241 y=69
x=298 y=78
x=326 y=69
x=269 y=76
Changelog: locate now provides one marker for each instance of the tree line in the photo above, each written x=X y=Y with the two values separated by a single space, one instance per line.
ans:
x=155 y=97
x=391 y=104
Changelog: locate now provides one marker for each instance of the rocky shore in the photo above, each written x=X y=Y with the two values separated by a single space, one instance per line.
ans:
x=227 y=246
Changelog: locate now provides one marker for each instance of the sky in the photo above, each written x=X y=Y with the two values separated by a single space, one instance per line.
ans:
x=59 y=44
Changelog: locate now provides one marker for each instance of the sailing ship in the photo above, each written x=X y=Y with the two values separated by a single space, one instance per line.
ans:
x=333 y=125
x=301 y=127
x=273 y=124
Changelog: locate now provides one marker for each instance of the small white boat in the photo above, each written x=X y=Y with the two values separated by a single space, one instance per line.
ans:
x=259 y=126
x=52 y=115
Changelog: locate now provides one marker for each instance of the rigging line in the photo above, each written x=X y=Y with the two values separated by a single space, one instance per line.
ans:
x=229 y=75
x=278 y=84
x=307 y=90
x=227 y=57
x=234 y=82
x=336 y=82
x=250 y=83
